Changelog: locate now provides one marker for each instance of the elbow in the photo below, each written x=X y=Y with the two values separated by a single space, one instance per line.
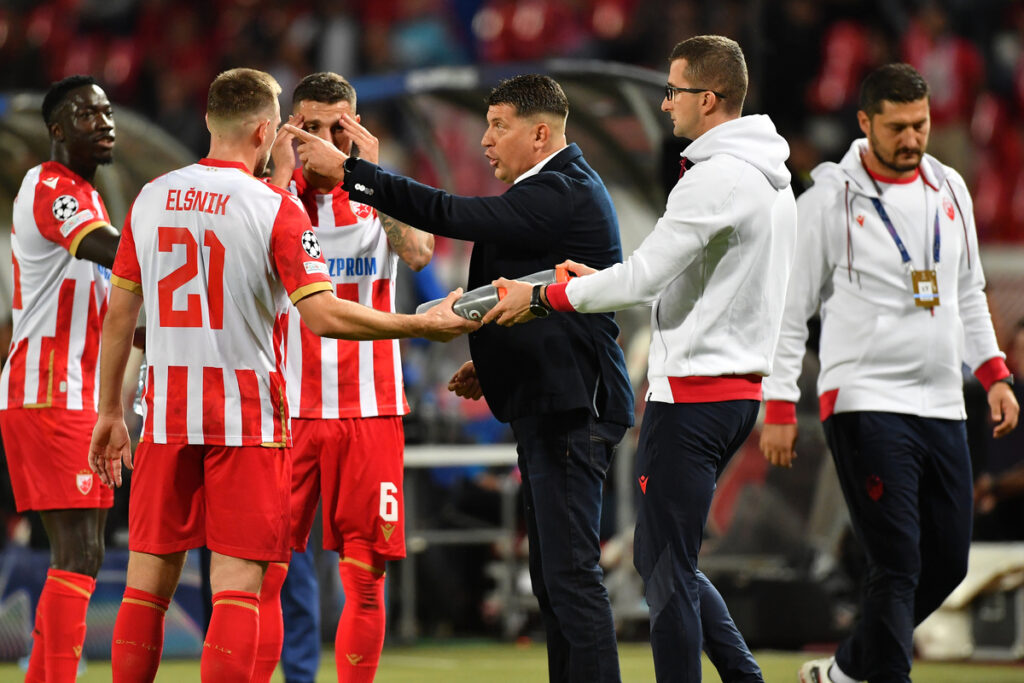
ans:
x=419 y=260
x=418 y=264
x=316 y=324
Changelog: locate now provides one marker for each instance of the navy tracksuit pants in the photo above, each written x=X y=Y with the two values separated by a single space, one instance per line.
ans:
x=908 y=486
x=683 y=449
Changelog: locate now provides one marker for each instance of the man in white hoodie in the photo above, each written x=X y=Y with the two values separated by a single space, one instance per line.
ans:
x=887 y=248
x=715 y=269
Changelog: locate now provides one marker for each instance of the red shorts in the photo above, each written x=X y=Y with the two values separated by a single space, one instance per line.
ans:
x=48 y=458
x=232 y=499
x=356 y=464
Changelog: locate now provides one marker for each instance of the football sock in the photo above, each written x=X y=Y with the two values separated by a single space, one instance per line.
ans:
x=138 y=636
x=268 y=652
x=64 y=603
x=37 y=660
x=360 y=635
x=229 y=651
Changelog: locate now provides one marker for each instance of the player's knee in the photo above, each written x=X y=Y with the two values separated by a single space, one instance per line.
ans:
x=85 y=558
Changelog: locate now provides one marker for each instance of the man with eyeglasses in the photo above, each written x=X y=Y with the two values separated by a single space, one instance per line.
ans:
x=715 y=269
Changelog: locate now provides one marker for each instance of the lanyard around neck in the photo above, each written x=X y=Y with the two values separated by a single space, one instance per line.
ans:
x=884 y=215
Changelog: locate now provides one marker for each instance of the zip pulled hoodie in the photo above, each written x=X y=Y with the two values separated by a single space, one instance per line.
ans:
x=714 y=268
x=879 y=351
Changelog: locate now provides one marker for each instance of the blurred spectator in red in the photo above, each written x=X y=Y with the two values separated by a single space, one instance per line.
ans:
x=522 y=30
x=999 y=172
x=954 y=68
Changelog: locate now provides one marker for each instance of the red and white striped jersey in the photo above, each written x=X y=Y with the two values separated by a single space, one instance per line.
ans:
x=216 y=254
x=329 y=378
x=59 y=301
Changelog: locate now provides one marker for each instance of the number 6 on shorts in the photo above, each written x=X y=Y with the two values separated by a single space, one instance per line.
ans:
x=388 y=502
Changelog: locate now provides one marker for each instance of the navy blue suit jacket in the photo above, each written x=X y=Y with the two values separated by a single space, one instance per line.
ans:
x=563 y=362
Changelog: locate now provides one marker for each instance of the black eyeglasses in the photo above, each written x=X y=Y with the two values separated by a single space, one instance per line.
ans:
x=671 y=90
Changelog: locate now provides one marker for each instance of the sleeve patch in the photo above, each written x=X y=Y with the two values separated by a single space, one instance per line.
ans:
x=315 y=267
x=311 y=244
x=78 y=219
x=64 y=207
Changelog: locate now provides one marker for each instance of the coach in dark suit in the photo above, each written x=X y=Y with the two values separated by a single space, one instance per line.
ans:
x=562 y=382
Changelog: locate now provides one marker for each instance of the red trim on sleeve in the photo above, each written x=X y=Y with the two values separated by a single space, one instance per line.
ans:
x=713 y=389
x=780 y=413
x=557 y=297
x=991 y=371
x=827 y=404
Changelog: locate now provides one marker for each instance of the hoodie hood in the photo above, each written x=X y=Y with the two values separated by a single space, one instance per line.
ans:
x=750 y=138
x=851 y=169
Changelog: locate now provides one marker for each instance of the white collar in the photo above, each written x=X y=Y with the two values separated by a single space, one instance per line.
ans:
x=536 y=169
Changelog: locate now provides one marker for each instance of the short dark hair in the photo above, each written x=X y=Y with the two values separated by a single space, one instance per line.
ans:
x=531 y=94
x=324 y=87
x=239 y=93
x=58 y=92
x=900 y=83
x=716 y=63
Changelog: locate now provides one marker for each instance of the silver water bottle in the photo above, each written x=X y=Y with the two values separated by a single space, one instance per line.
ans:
x=475 y=303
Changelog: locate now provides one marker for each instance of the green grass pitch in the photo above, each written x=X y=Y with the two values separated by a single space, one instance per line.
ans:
x=479 y=662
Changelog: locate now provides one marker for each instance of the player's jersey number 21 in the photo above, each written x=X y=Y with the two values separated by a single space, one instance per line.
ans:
x=192 y=314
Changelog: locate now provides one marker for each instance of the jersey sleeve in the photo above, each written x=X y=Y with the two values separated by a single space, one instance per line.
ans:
x=65 y=211
x=126 y=272
x=296 y=252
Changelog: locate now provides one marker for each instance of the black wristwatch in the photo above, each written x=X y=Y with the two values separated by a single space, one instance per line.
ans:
x=537 y=307
x=350 y=165
x=1006 y=380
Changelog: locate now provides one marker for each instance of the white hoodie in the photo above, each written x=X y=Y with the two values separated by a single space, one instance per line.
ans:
x=716 y=264
x=878 y=349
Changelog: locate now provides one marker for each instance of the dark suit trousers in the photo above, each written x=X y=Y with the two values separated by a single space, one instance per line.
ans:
x=563 y=458
x=907 y=483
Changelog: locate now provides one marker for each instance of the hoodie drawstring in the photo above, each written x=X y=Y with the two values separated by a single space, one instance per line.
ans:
x=849 y=238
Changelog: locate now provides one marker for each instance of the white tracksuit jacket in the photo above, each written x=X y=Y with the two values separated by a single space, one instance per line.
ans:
x=878 y=349
x=716 y=264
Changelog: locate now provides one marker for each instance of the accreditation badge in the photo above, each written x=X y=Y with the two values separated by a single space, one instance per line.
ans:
x=926 y=288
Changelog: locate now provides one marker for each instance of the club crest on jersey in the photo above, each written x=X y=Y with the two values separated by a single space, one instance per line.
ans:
x=311 y=244
x=860 y=219
x=83 y=480
x=64 y=207
x=947 y=206
x=361 y=210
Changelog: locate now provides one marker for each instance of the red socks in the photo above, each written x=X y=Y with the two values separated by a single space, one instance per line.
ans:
x=360 y=635
x=138 y=636
x=268 y=651
x=62 y=608
x=37 y=660
x=229 y=651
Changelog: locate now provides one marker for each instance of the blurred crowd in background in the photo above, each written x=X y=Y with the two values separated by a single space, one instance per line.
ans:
x=807 y=58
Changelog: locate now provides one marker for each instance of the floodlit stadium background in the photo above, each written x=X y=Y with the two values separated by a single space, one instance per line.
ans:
x=777 y=543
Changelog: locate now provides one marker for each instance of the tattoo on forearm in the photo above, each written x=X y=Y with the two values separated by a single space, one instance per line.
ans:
x=396 y=231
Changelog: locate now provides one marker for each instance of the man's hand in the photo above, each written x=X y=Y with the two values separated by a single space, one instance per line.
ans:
x=283 y=153
x=577 y=269
x=369 y=146
x=514 y=308
x=441 y=322
x=318 y=155
x=777 y=442
x=464 y=382
x=110 y=446
x=1005 y=410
